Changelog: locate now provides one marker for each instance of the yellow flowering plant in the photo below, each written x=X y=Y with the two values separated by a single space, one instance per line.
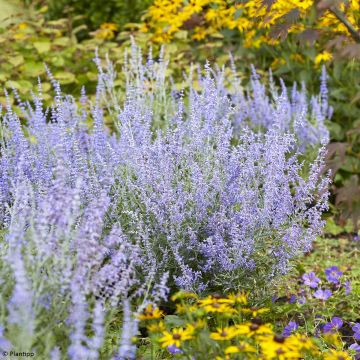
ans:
x=256 y=21
x=230 y=333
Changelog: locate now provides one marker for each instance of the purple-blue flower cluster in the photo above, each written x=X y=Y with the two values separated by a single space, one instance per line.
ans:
x=188 y=195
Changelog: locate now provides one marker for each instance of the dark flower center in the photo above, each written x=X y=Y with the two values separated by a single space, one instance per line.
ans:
x=279 y=339
x=223 y=333
x=176 y=336
x=257 y=321
x=254 y=327
x=216 y=296
x=216 y=305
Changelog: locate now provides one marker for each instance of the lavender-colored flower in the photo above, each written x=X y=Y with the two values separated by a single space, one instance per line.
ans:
x=173 y=349
x=302 y=300
x=335 y=324
x=289 y=328
x=292 y=299
x=333 y=274
x=355 y=347
x=188 y=191
x=311 y=280
x=348 y=287
x=356 y=329
x=322 y=294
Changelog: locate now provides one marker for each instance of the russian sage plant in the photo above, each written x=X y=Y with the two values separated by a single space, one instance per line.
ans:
x=199 y=189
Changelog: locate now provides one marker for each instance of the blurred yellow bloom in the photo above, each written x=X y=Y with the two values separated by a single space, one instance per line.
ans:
x=22 y=26
x=301 y=341
x=109 y=26
x=278 y=347
x=156 y=328
x=277 y=62
x=337 y=355
x=199 y=33
x=240 y=348
x=181 y=309
x=253 y=328
x=217 y=307
x=19 y=36
x=239 y=298
x=254 y=311
x=216 y=304
x=106 y=31
x=323 y=57
x=150 y=313
x=177 y=336
x=183 y=295
x=297 y=57
x=227 y=333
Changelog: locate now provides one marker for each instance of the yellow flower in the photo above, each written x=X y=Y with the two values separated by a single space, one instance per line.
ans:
x=199 y=33
x=215 y=303
x=239 y=298
x=22 y=26
x=177 y=336
x=181 y=309
x=150 y=313
x=109 y=26
x=212 y=299
x=19 y=36
x=227 y=333
x=337 y=355
x=301 y=341
x=156 y=328
x=278 y=347
x=183 y=295
x=240 y=348
x=254 y=328
x=297 y=57
x=323 y=57
x=217 y=307
x=254 y=311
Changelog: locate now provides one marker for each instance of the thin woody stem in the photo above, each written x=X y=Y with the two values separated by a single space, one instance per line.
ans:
x=342 y=18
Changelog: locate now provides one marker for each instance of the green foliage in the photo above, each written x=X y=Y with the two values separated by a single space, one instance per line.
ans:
x=97 y=12
x=28 y=46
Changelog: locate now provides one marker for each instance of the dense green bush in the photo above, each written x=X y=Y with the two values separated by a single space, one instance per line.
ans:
x=97 y=12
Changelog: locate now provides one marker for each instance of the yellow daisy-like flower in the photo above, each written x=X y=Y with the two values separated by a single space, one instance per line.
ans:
x=277 y=347
x=323 y=57
x=227 y=333
x=183 y=295
x=217 y=307
x=215 y=298
x=301 y=341
x=216 y=303
x=254 y=311
x=337 y=355
x=240 y=348
x=151 y=313
x=176 y=336
x=109 y=26
x=239 y=298
x=22 y=26
x=254 y=328
x=156 y=328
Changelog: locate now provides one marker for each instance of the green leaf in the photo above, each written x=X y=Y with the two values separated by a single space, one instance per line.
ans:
x=16 y=60
x=34 y=69
x=61 y=41
x=332 y=228
x=174 y=321
x=42 y=47
x=65 y=77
